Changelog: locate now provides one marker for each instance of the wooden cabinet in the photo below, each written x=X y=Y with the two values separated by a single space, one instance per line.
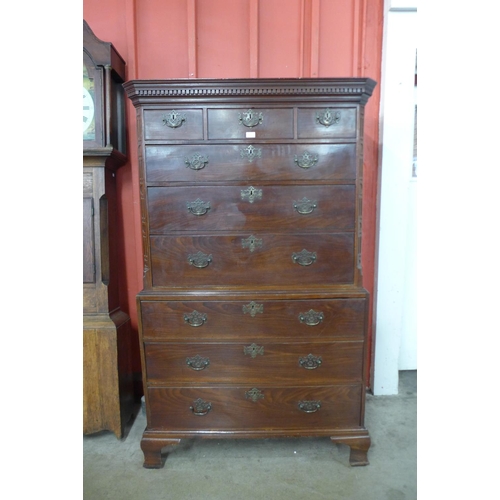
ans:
x=253 y=315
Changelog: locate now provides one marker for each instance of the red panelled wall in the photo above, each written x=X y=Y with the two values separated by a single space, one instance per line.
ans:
x=161 y=39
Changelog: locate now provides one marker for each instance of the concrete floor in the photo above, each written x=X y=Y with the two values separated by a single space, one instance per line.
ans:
x=305 y=468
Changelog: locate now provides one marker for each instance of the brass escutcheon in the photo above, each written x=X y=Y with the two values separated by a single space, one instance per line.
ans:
x=253 y=349
x=250 y=118
x=251 y=242
x=253 y=308
x=251 y=152
x=251 y=194
x=254 y=394
x=173 y=119
x=328 y=117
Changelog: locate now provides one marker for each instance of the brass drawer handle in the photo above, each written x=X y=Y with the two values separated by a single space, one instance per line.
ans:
x=200 y=407
x=305 y=206
x=309 y=406
x=174 y=119
x=251 y=242
x=251 y=152
x=196 y=162
x=304 y=258
x=253 y=308
x=195 y=318
x=254 y=394
x=311 y=317
x=198 y=207
x=251 y=194
x=200 y=259
x=307 y=160
x=310 y=362
x=250 y=118
x=253 y=350
x=328 y=117
x=197 y=363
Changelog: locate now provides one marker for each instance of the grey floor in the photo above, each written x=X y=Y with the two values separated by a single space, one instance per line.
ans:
x=305 y=468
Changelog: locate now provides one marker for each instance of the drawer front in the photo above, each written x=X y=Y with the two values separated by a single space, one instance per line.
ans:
x=252 y=363
x=243 y=123
x=231 y=408
x=247 y=259
x=233 y=208
x=173 y=125
x=205 y=163
x=326 y=123
x=256 y=319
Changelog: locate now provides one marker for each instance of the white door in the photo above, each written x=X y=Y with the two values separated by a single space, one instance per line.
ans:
x=396 y=328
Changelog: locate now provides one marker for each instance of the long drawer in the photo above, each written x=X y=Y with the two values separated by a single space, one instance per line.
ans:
x=239 y=408
x=251 y=259
x=263 y=162
x=250 y=363
x=259 y=319
x=233 y=208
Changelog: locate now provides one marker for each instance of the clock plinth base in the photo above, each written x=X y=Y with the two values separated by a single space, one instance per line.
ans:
x=108 y=385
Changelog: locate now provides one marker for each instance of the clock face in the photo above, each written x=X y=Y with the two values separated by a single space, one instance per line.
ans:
x=88 y=106
x=88 y=110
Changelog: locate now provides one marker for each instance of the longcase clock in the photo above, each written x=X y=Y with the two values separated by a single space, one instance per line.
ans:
x=108 y=389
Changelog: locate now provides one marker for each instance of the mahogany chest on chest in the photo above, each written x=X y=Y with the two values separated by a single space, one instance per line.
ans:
x=253 y=316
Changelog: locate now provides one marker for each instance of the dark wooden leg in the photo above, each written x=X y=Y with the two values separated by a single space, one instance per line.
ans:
x=359 y=448
x=152 y=447
x=359 y=452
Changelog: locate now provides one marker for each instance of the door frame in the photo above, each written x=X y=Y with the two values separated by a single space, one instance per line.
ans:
x=395 y=162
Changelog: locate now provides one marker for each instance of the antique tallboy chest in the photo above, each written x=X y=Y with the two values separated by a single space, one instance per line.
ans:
x=253 y=317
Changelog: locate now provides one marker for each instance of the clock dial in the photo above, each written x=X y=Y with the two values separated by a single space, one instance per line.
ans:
x=88 y=110
x=89 y=105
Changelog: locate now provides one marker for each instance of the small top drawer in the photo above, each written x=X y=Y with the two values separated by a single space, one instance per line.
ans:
x=250 y=123
x=319 y=123
x=173 y=124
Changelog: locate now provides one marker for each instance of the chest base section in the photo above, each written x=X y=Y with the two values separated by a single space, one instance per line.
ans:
x=254 y=365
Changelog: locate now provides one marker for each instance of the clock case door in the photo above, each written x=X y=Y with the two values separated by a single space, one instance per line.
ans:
x=93 y=136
